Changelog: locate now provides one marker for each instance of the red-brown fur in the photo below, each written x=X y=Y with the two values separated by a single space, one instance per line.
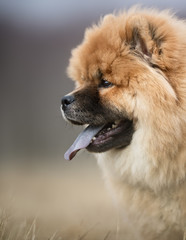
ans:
x=148 y=177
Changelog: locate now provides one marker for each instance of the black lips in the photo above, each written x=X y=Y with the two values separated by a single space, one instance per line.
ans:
x=108 y=138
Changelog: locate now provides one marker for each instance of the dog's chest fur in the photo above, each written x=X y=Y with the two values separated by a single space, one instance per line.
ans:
x=158 y=213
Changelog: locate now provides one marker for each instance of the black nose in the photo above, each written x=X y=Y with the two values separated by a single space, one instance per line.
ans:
x=67 y=100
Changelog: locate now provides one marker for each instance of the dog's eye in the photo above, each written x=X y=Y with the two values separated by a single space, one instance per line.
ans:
x=105 y=84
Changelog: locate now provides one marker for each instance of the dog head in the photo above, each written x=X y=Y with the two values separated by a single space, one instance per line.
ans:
x=125 y=83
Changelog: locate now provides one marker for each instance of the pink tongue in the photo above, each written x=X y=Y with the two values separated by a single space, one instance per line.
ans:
x=82 y=141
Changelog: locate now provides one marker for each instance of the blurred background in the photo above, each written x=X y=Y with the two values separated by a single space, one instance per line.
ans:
x=36 y=38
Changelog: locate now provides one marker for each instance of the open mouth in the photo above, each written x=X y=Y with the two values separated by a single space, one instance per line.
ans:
x=103 y=138
x=112 y=135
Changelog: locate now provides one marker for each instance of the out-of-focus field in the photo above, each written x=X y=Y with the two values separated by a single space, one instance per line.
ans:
x=63 y=202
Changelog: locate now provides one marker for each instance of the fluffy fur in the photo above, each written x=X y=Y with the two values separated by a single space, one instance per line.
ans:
x=143 y=53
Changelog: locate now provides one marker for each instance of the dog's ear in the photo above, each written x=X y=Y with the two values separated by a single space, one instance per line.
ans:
x=138 y=42
x=144 y=36
x=137 y=35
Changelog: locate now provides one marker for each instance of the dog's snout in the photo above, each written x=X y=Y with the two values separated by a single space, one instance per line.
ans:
x=66 y=101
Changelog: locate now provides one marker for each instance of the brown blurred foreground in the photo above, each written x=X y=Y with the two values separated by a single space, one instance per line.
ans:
x=66 y=202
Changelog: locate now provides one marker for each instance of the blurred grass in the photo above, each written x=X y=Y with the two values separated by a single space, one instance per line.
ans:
x=66 y=202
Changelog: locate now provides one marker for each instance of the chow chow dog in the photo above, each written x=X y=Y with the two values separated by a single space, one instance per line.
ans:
x=130 y=75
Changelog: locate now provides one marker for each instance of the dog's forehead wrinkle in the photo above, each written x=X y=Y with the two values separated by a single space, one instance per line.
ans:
x=99 y=73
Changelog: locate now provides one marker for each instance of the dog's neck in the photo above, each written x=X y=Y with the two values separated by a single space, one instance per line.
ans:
x=142 y=163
